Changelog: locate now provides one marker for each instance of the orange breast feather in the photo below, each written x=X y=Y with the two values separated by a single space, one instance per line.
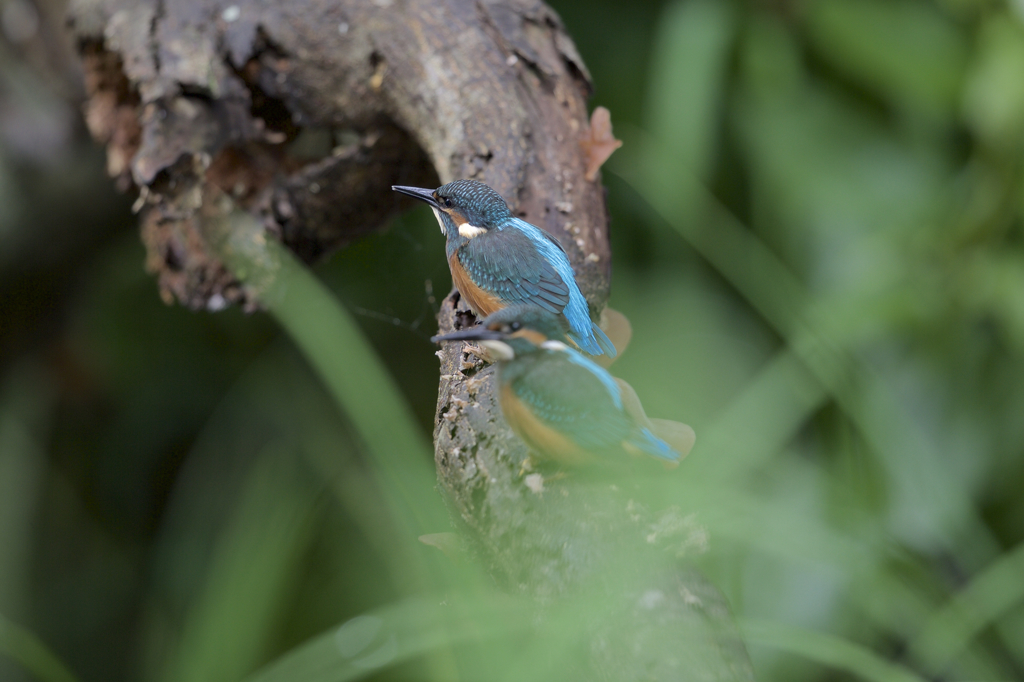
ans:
x=482 y=302
x=539 y=436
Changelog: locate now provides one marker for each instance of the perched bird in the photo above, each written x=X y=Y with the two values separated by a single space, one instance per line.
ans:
x=560 y=402
x=498 y=260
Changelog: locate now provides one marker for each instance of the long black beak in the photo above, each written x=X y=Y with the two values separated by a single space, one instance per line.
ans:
x=420 y=193
x=477 y=333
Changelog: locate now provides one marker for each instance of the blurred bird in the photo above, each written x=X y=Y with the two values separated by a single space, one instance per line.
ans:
x=498 y=260
x=561 y=403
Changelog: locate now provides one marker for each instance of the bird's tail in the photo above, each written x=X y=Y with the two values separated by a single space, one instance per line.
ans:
x=643 y=441
x=597 y=343
x=603 y=341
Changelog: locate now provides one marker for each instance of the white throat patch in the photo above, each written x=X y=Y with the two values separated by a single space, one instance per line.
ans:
x=469 y=231
x=499 y=349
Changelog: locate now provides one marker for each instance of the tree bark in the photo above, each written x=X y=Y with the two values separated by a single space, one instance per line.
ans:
x=306 y=112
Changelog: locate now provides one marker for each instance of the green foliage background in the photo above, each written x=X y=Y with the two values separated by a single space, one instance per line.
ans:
x=817 y=233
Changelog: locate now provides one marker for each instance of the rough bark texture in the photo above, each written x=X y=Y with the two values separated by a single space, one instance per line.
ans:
x=306 y=112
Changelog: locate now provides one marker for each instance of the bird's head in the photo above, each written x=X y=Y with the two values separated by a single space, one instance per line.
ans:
x=464 y=208
x=515 y=331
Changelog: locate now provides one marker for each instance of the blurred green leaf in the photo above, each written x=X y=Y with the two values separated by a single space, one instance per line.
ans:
x=905 y=49
x=229 y=622
x=842 y=322
x=725 y=243
x=349 y=367
x=25 y=405
x=993 y=284
x=687 y=80
x=762 y=419
x=993 y=102
x=828 y=650
x=930 y=506
x=358 y=381
x=390 y=635
x=769 y=58
x=992 y=593
x=28 y=650
x=832 y=187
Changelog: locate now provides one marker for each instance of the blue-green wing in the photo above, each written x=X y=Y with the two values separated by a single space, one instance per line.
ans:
x=571 y=399
x=508 y=264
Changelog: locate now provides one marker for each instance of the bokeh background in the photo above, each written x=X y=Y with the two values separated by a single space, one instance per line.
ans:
x=818 y=235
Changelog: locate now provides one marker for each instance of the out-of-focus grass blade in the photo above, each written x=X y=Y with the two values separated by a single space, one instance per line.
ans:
x=229 y=623
x=794 y=143
x=847 y=194
x=828 y=650
x=25 y=406
x=777 y=527
x=335 y=346
x=783 y=531
x=661 y=626
x=761 y=420
x=994 y=285
x=994 y=95
x=898 y=603
x=931 y=501
x=715 y=234
x=370 y=642
x=930 y=509
x=685 y=88
x=991 y=594
x=905 y=49
x=357 y=379
x=25 y=648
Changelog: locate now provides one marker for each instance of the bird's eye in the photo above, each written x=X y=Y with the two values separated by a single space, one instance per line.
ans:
x=447 y=202
x=515 y=326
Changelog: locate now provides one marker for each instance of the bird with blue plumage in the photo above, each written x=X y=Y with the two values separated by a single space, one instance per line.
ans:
x=498 y=260
x=561 y=403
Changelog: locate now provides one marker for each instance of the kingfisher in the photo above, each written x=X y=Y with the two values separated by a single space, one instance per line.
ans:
x=563 y=404
x=498 y=260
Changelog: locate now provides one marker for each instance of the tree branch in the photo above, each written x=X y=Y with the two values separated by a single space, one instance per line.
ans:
x=306 y=113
